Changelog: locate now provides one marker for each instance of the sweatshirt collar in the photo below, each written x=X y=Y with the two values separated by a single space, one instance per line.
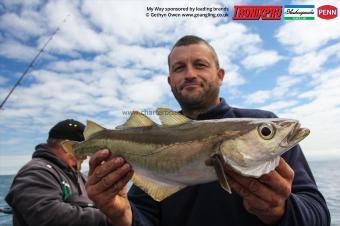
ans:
x=42 y=151
x=219 y=111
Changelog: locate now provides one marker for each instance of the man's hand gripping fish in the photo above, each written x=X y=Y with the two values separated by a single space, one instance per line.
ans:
x=182 y=152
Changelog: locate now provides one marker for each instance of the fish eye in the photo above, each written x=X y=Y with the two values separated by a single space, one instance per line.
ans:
x=266 y=131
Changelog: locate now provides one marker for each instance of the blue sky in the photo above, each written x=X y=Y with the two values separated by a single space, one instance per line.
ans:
x=109 y=57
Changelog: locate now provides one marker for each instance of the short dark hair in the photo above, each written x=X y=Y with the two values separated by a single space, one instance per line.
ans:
x=192 y=39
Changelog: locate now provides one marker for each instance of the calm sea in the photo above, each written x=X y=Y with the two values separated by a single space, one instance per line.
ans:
x=327 y=175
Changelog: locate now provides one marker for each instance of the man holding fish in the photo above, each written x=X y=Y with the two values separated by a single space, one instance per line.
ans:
x=266 y=189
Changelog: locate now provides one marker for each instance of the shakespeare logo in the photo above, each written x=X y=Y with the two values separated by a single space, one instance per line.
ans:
x=299 y=12
x=257 y=12
x=327 y=12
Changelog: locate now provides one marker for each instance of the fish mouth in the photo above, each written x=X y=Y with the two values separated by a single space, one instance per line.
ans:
x=295 y=136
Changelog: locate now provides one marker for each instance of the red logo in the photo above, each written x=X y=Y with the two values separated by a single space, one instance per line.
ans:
x=327 y=12
x=257 y=12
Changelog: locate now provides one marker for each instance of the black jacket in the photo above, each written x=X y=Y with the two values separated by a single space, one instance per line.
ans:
x=47 y=192
x=209 y=205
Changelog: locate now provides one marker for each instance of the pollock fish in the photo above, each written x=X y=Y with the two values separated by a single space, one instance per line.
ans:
x=182 y=152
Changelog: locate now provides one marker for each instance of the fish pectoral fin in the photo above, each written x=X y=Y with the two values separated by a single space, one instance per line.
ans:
x=92 y=128
x=169 y=117
x=68 y=145
x=137 y=119
x=157 y=190
x=217 y=161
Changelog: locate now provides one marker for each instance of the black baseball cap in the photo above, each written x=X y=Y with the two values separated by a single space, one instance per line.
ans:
x=68 y=129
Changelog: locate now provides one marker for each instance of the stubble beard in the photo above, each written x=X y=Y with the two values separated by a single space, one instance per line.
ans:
x=200 y=101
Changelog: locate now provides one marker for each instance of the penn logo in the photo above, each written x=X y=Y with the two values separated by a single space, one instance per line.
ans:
x=327 y=12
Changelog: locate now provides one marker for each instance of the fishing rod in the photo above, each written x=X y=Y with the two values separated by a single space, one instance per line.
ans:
x=32 y=63
x=6 y=210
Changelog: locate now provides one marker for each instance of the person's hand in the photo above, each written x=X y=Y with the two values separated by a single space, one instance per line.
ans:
x=106 y=186
x=265 y=196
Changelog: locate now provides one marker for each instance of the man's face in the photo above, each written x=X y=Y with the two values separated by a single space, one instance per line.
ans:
x=194 y=77
x=71 y=160
x=67 y=157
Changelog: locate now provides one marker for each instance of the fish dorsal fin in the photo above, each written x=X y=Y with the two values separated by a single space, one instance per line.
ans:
x=169 y=117
x=92 y=128
x=156 y=189
x=137 y=119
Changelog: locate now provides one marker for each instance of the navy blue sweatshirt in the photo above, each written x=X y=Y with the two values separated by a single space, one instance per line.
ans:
x=209 y=205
